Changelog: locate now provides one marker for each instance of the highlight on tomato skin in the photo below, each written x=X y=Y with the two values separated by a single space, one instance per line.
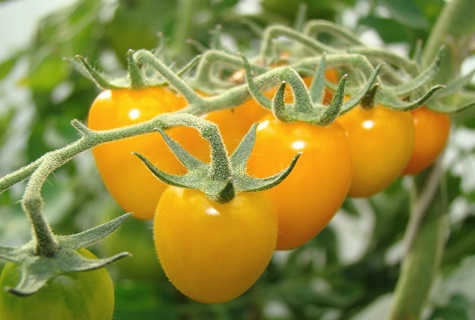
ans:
x=313 y=192
x=432 y=131
x=381 y=143
x=127 y=179
x=214 y=252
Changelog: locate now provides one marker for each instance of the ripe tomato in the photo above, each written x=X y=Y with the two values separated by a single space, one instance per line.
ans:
x=314 y=191
x=72 y=296
x=128 y=180
x=214 y=252
x=381 y=142
x=431 y=135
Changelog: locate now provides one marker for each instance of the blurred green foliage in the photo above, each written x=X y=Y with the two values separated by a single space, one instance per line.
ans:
x=347 y=272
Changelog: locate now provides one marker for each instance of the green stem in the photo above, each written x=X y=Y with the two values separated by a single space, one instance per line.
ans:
x=146 y=57
x=314 y=27
x=135 y=74
x=220 y=165
x=454 y=29
x=273 y=32
x=46 y=244
x=19 y=175
x=213 y=58
x=425 y=239
x=184 y=15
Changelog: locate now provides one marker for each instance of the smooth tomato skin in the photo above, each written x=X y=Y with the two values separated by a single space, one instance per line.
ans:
x=316 y=188
x=381 y=142
x=431 y=134
x=214 y=252
x=128 y=180
x=73 y=296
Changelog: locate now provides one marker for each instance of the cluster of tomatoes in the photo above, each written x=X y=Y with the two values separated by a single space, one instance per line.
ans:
x=214 y=252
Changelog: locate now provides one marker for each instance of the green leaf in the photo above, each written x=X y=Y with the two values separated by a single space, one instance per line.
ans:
x=47 y=73
x=7 y=65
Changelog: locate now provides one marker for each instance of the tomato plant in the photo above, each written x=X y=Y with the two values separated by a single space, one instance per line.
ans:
x=431 y=135
x=72 y=296
x=214 y=252
x=314 y=191
x=130 y=183
x=381 y=142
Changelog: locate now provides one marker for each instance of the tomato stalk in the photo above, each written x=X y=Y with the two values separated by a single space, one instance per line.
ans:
x=391 y=89
x=46 y=244
x=425 y=240
x=314 y=27
x=304 y=109
x=272 y=32
x=212 y=59
x=454 y=28
x=136 y=77
x=185 y=11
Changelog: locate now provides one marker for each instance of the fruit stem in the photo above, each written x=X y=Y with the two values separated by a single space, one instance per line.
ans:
x=425 y=240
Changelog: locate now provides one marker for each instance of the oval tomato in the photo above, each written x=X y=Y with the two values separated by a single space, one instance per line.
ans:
x=315 y=189
x=128 y=180
x=381 y=142
x=72 y=296
x=214 y=252
x=431 y=134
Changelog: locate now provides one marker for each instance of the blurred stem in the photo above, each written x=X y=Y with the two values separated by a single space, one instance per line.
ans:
x=184 y=14
x=425 y=236
x=454 y=29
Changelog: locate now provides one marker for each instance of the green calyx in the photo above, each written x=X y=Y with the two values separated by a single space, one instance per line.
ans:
x=136 y=77
x=224 y=176
x=403 y=86
x=37 y=269
x=307 y=106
